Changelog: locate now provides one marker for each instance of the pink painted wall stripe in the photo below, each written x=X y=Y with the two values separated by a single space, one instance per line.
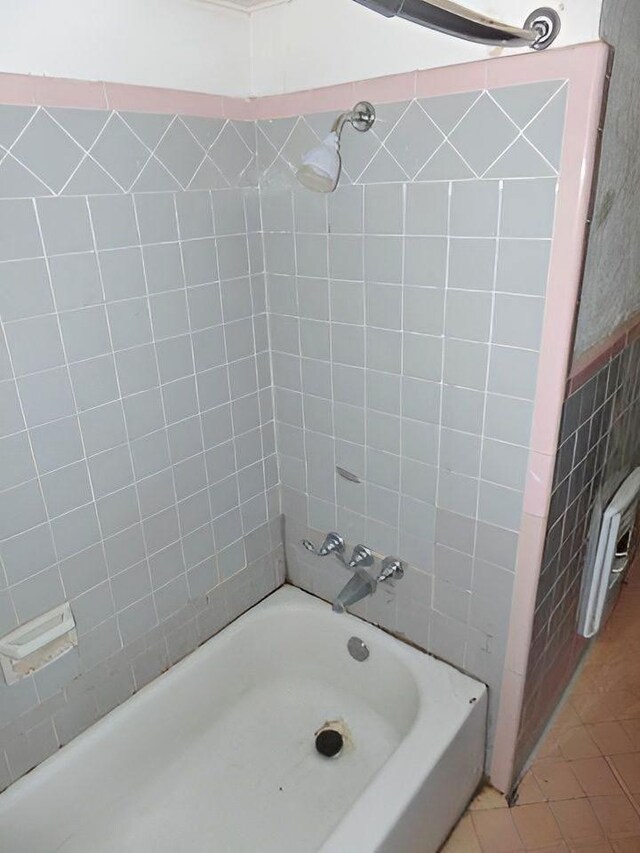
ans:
x=588 y=364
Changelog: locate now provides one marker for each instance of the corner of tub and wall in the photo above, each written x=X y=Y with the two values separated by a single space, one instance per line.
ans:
x=585 y=69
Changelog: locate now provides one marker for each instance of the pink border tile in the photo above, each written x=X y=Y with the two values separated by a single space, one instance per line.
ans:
x=56 y=92
x=530 y=550
x=51 y=92
x=16 y=89
x=386 y=90
x=452 y=79
x=590 y=362
x=539 y=483
x=239 y=109
x=504 y=71
x=310 y=101
x=634 y=331
x=152 y=100
x=585 y=67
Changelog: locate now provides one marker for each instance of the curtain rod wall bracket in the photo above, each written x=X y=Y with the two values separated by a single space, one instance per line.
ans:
x=540 y=29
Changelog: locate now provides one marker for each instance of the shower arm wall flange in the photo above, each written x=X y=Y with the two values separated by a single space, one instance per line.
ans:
x=540 y=29
x=361 y=118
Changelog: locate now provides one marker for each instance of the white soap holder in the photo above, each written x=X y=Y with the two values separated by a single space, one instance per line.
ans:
x=36 y=643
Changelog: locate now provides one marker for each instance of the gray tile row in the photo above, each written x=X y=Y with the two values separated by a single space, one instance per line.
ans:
x=74 y=152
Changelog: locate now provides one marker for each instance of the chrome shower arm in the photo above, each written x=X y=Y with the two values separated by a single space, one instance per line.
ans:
x=361 y=117
x=540 y=29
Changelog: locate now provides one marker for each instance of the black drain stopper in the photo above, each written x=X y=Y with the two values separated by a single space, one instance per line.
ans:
x=329 y=743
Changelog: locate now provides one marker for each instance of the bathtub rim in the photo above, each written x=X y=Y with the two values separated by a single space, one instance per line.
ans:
x=410 y=763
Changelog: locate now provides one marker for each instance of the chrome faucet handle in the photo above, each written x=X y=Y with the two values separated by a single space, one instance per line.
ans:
x=361 y=557
x=392 y=569
x=333 y=544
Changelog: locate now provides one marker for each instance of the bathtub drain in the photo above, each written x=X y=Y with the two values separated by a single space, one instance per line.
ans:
x=329 y=743
x=333 y=739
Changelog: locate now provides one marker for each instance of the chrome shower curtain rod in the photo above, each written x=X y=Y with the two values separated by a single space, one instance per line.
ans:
x=540 y=29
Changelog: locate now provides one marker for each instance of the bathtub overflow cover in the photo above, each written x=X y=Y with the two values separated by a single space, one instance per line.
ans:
x=357 y=649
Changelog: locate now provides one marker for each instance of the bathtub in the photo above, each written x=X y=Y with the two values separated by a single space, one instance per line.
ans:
x=219 y=754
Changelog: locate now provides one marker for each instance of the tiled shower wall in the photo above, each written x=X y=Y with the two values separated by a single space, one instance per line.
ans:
x=599 y=448
x=405 y=317
x=406 y=313
x=138 y=476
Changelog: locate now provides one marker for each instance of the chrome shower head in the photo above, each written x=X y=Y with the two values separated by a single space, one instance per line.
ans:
x=320 y=169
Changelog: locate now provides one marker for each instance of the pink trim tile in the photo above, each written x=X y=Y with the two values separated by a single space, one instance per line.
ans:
x=58 y=92
x=238 y=109
x=548 y=65
x=151 y=100
x=539 y=483
x=530 y=549
x=340 y=97
x=17 y=89
x=452 y=79
x=634 y=331
x=511 y=699
x=386 y=90
x=584 y=373
x=590 y=362
x=587 y=66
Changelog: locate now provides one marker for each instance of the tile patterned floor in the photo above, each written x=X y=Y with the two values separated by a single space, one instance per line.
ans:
x=583 y=791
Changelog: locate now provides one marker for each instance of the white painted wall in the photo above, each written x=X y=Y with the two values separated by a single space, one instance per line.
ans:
x=179 y=44
x=309 y=43
x=191 y=44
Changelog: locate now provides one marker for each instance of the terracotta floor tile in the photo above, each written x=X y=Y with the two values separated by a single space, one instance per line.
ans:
x=632 y=728
x=595 y=777
x=607 y=650
x=497 y=832
x=617 y=816
x=627 y=845
x=615 y=676
x=536 y=825
x=549 y=748
x=578 y=822
x=628 y=766
x=577 y=743
x=463 y=839
x=574 y=791
x=591 y=707
x=624 y=704
x=587 y=681
x=611 y=738
x=567 y=719
x=529 y=791
x=556 y=779
x=488 y=798
x=595 y=707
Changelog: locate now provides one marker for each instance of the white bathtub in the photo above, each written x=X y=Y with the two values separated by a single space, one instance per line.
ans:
x=218 y=755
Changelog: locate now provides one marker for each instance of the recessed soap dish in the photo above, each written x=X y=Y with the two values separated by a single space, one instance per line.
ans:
x=36 y=643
